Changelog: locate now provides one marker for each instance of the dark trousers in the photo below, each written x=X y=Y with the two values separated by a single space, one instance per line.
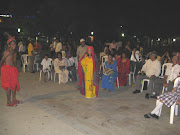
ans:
x=73 y=74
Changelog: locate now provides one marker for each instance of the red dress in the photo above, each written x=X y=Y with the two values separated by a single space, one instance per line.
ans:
x=123 y=70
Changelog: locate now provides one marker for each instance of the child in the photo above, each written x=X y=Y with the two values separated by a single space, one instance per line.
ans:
x=46 y=63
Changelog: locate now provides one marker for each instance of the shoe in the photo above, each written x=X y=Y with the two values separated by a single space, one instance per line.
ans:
x=136 y=91
x=153 y=96
x=154 y=116
x=147 y=116
x=147 y=96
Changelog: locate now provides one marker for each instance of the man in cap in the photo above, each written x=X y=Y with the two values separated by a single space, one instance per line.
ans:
x=81 y=49
x=9 y=74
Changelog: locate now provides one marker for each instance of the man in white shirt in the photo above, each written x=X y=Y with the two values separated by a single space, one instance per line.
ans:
x=71 y=66
x=151 y=69
x=58 y=48
x=46 y=63
x=60 y=68
x=172 y=72
x=81 y=49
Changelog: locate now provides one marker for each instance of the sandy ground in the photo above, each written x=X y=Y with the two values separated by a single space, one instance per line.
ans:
x=59 y=109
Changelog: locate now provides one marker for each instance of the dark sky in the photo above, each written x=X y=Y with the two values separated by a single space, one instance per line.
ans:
x=146 y=16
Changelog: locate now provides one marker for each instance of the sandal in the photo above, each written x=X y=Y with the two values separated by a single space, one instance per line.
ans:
x=17 y=102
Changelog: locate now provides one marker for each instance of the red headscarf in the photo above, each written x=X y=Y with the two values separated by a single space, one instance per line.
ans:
x=81 y=83
x=11 y=39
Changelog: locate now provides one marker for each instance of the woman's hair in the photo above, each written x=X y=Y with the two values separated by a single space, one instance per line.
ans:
x=124 y=53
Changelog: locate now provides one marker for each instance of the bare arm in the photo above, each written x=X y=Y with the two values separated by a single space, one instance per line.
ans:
x=6 y=54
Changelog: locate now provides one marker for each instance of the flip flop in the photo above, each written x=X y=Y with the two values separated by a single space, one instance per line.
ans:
x=17 y=102
x=12 y=105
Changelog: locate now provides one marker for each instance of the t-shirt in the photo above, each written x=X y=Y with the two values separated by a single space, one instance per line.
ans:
x=30 y=49
x=58 y=47
x=81 y=51
x=46 y=63
x=172 y=71
x=70 y=61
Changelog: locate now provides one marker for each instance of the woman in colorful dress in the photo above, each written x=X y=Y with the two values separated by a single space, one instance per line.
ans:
x=110 y=74
x=123 y=69
x=88 y=74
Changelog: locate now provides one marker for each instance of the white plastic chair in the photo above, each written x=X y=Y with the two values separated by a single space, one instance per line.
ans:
x=102 y=54
x=164 y=89
x=143 y=84
x=129 y=76
x=55 y=77
x=174 y=108
x=163 y=67
x=24 y=59
x=63 y=54
x=49 y=73
x=35 y=62
x=104 y=59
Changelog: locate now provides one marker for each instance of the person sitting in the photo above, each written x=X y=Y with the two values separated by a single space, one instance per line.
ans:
x=167 y=98
x=110 y=74
x=123 y=69
x=59 y=66
x=46 y=63
x=71 y=66
x=150 y=70
x=172 y=72
x=140 y=65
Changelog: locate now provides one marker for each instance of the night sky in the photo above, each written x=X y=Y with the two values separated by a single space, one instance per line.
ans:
x=146 y=16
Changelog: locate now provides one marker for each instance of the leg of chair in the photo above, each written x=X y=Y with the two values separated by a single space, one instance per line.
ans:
x=163 y=90
x=117 y=82
x=51 y=75
x=37 y=66
x=142 y=86
x=59 y=79
x=176 y=110
x=172 y=113
x=48 y=75
x=133 y=78
x=129 y=79
x=54 y=76
x=40 y=75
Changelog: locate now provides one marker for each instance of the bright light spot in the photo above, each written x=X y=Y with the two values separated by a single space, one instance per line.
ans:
x=92 y=33
x=121 y=26
x=39 y=33
x=71 y=32
x=158 y=39
x=36 y=38
x=19 y=30
x=123 y=34
x=134 y=36
x=174 y=40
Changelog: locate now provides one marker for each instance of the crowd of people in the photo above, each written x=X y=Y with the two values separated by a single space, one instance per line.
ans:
x=80 y=63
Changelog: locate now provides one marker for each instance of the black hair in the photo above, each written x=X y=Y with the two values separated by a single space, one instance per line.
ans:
x=59 y=53
x=11 y=42
x=124 y=53
x=46 y=55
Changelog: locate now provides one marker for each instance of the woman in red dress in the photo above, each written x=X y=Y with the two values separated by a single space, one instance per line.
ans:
x=123 y=69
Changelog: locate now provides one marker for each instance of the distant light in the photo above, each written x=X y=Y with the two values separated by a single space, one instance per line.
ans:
x=0 y=20
x=158 y=39
x=71 y=33
x=36 y=39
x=174 y=40
x=92 y=33
x=19 y=30
x=123 y=34
x=134 y=36
x=39 y=33
x=121 y=26
x=8 y=16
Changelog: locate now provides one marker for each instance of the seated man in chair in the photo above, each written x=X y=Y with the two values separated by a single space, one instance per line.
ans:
x=151 y=70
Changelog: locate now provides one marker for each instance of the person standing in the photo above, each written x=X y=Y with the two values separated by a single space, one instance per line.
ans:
x=58 y=48
x=30 y=57
x=88 y=74
x=81 y=49
x=9 y=74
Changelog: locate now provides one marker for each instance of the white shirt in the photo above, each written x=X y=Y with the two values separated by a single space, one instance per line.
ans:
x=176 y=82
x=136 y=55
x=152 y=68
x=58 y=47
x=58 y=63
x=70 y=61
x=21 y=47
x=46 y=63
x=172 y=72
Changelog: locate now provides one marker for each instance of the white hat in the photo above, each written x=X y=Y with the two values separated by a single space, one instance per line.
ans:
x=82 y=40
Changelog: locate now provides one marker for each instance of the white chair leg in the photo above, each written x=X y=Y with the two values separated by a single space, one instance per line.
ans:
x=129 y=79
x=163 y=90
x=54 y=76
x=24 y=66
x=51 y=75
x=117 y=82
x=59 y=79
x=48 y=75
x=142 y=86
x=133 y=78
x=40 y=75
x=172 y=113
x=176 y=110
